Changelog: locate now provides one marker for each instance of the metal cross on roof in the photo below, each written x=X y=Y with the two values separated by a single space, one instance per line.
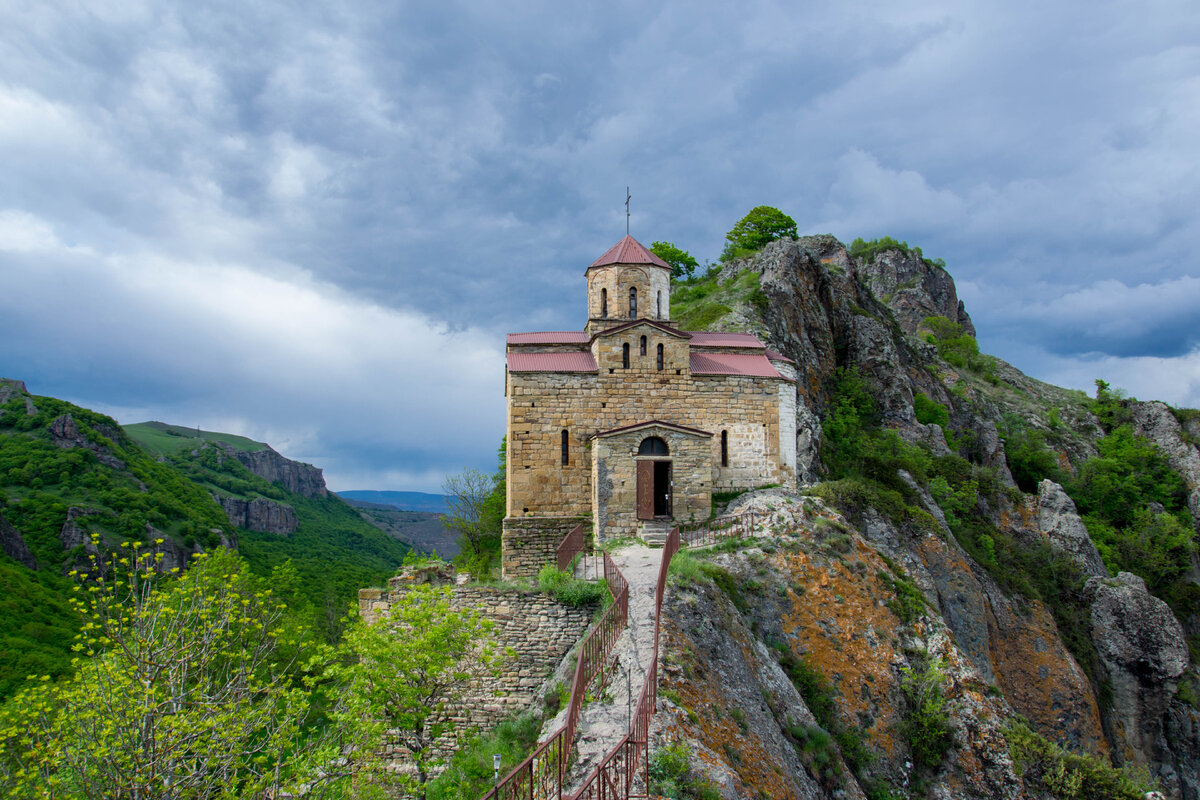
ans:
x=627 y=196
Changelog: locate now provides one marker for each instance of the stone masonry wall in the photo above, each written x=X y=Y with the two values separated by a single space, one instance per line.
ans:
x=541 y=405
x=528 y=543
x=614 y=478
x=537 y=627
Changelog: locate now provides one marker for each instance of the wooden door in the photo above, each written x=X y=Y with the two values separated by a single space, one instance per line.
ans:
x=645 y=490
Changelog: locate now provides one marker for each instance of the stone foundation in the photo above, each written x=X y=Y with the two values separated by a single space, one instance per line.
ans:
x=528 y=543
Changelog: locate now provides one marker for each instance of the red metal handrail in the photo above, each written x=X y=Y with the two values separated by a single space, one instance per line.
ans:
x=573 y=544
x=732 y=526
x=613 y=778
x=543 y=770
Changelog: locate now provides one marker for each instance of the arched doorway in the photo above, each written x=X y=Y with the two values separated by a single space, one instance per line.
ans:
x=653 y=479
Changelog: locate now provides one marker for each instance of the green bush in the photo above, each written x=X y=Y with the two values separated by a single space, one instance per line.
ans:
x=671 y=775
x=930 y=412
x=469 y=774
x=570 y=590
x=1067 y=775
x=926 y=724
x=959 y=348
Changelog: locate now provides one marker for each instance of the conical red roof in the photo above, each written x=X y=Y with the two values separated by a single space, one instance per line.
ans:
x=629 y=251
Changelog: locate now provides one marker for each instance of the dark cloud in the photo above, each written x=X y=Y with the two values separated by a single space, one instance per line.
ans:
x=449 y=170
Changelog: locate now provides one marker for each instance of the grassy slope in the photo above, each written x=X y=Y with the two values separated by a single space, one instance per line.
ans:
x=335 y=551
x=159 y=437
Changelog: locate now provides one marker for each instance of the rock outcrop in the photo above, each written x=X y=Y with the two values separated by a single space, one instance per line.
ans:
x=259 y=514
x=65 y=433
x=13 y=545
x=1155 y=421
x=1060 y=523
x=914 y=289
x=1142 y=647
x=302 y=479
x=13 y=388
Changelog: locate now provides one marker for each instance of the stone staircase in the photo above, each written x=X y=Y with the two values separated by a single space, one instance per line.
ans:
x=654 y=531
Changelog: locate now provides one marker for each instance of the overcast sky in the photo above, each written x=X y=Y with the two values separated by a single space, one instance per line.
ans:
x=312 y=225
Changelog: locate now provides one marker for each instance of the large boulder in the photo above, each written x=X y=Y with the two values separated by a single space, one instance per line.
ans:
x=1059 y=521
x=1142 y=647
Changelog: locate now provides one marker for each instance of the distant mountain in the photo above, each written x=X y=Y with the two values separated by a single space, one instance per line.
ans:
x=422 y=530
x=405 y=501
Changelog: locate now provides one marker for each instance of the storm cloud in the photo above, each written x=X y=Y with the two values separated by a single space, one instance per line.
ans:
x=313 y=225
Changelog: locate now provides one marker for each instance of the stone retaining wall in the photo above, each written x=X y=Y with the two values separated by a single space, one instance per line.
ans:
x=539 y=629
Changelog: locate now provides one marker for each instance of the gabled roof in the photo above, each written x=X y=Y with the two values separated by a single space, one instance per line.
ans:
x=633 y=323
x=649 y=424
x=723 y=339
x=550 y=337
x=750 y=364
x=629 y=251
x=551 y=362
x=775 y=355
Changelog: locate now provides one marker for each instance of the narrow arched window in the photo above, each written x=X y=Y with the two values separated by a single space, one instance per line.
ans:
x=724 y=448
x=660 y=357
x=625 y=355
x=604 y=303
x=659 y=314
x=642 y=347
x=566 y=449
x=632 y=302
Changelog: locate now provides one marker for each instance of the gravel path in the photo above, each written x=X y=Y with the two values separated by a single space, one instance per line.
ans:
x=604 y=722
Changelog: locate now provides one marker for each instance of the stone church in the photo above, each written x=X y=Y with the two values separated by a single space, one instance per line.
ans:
x=631 y=424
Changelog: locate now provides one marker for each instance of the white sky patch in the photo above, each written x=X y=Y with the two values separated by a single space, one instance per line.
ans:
x=298 y=363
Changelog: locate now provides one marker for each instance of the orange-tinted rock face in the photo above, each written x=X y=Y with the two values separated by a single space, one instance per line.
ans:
x=1039 y=677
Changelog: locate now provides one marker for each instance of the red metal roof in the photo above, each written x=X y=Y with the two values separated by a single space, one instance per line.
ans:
x=549 y=337
x=629 y=251
x=551 y=362
x=751 y=364
x=775 y=355
x=721 y=339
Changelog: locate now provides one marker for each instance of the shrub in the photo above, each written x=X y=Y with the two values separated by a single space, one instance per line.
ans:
x=671 y=775
x=926 y=723
x=930 y=412
x=1070 y=775
x=568 y=589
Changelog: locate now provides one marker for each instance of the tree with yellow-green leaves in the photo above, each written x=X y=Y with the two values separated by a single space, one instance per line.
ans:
x=185 y=687
x=400 y=679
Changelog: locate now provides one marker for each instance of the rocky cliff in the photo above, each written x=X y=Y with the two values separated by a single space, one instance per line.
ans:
x=298 y=478
x=259 y=514
x=953 y=554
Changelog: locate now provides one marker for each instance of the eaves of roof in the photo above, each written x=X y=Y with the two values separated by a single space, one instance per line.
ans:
x=551 y=362
x=649 y=424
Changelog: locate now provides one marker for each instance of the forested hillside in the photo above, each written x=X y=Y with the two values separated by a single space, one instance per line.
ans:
x=74 y=483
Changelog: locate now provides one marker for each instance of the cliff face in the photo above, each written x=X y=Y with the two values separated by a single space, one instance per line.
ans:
x=868 y=598
x=259 y=514
x=302 y=479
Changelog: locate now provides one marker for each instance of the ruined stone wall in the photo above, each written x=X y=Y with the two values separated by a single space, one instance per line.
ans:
x=538 y=628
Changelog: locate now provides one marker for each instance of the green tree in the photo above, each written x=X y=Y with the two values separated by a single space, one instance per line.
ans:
x=476 y=514
x=762 y=225
x=401 y=678
x=682 y=263
x=184 y=688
